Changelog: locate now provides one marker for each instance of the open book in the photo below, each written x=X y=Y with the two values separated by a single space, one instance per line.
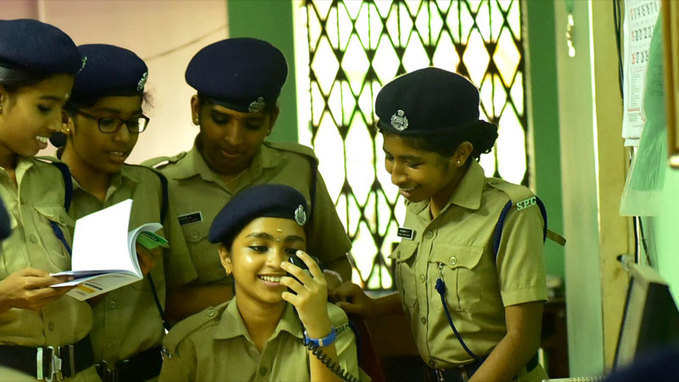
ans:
x=104 y=252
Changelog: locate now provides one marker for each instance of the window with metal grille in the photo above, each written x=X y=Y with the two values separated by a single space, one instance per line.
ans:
x=348 y=49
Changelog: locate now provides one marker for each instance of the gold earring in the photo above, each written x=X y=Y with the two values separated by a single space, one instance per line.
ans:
x=459 y=163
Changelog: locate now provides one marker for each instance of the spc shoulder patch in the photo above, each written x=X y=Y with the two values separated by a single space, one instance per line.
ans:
x=184 y=328
x=293 y=147
x=522 y=197
x=160 y=162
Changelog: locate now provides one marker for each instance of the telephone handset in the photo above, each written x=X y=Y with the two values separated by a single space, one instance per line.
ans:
x=315 y=349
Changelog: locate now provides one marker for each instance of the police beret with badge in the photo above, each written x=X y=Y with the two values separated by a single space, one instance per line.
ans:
x=36 y=47
x=428 y=101
x=243 y=74
x=110 y=71
x=265 y=200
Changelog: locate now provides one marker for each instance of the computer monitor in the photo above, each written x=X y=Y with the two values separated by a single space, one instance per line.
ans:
x=651 y=318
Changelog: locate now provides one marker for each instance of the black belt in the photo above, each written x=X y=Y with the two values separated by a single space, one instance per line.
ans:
x=139 y=367
x=56 y=362
x=464 y=372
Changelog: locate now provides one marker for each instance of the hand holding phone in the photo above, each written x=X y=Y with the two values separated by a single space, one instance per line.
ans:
x=308 y=293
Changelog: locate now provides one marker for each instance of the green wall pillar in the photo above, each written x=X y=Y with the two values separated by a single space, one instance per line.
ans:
x=271 y=20
x=543 y=121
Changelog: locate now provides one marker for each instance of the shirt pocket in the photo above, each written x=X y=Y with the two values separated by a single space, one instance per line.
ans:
x=53 y=229
x=458 y=267
x=406 y=279
x=204 y=254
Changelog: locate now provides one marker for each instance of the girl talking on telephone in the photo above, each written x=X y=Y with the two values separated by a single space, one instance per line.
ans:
x=279 y=326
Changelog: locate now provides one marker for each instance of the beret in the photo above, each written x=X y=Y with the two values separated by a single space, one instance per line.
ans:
x=427 y=101
x=5 y=227
x=110 y=70
x=264 y=200
x=37 y=47
x=243 y=74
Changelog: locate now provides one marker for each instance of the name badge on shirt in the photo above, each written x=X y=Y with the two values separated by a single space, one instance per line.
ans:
x=406 y=233
x=192 y=217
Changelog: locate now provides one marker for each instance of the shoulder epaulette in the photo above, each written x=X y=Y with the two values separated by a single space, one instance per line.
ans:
x=293 y=147
x=522 y=197
x=159 y=162
x=337 y=316
x=190 y=324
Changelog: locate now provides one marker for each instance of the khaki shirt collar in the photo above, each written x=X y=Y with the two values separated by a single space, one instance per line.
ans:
x=194 y=163
x=467 y=194
x=125 y=176
x=231 y=324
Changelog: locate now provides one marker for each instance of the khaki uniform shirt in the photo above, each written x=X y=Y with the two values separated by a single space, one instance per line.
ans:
x=214 y=345
x=37 y=199
x=126 y=320
x=457 y=246
x=200 y=193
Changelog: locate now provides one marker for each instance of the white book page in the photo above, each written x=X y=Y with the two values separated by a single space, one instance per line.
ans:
x=132 y=242
x=100 y=240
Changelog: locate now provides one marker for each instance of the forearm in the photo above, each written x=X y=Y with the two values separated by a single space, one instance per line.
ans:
x=389 y=304
x=191 y=299
x=516 y=348
x=342 y=267
x=318 y=371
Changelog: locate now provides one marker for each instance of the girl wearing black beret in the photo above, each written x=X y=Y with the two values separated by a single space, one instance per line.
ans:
x=39 y=326
x=104 y=119
x=469 y=267
x=260 y=334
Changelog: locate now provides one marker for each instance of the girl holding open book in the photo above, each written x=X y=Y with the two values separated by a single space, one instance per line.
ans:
x=43 y=334
x=104 y=119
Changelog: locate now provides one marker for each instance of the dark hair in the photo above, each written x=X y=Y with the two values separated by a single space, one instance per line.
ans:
x=13 y=78
x=480 y=134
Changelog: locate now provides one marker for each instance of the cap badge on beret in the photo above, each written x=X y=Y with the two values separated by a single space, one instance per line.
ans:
x=83 y=62
x=399 y=120
x=142 y=81
x=300 y=215
x=257 y=105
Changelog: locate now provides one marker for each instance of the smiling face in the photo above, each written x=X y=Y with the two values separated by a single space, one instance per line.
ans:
x=419 y=174
x=104 y=152
x=230 y=139
x=256 y=254
x=32 y=113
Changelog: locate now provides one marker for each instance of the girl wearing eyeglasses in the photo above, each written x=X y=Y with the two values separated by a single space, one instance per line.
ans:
x=105 y=118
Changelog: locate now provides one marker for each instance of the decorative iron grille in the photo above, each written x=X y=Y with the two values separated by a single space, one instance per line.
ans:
x=354 y=47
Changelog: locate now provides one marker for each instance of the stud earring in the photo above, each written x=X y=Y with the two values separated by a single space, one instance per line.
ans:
x=459 y=163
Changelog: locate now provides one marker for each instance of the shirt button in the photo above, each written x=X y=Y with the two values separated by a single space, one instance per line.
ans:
x=50 y=326
x=211 y=313
x=422 y=278
x=262 y=371
x=429 y=235
x=195 y=235
x=423 y=320
x=33 y=238
x=453 y=260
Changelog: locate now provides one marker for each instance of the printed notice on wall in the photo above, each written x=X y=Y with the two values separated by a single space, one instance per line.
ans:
x=640 y=18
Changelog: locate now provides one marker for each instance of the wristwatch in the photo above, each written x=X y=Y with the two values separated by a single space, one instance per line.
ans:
x=324 y=341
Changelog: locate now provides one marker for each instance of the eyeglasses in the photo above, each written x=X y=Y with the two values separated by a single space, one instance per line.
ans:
x=110 y=125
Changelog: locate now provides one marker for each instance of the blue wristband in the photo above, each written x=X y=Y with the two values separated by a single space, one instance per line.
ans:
x=325 y=341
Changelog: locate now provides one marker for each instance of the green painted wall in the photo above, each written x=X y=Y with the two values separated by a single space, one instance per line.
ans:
x=544 y=121
x=270 y=20
x=579 y=186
